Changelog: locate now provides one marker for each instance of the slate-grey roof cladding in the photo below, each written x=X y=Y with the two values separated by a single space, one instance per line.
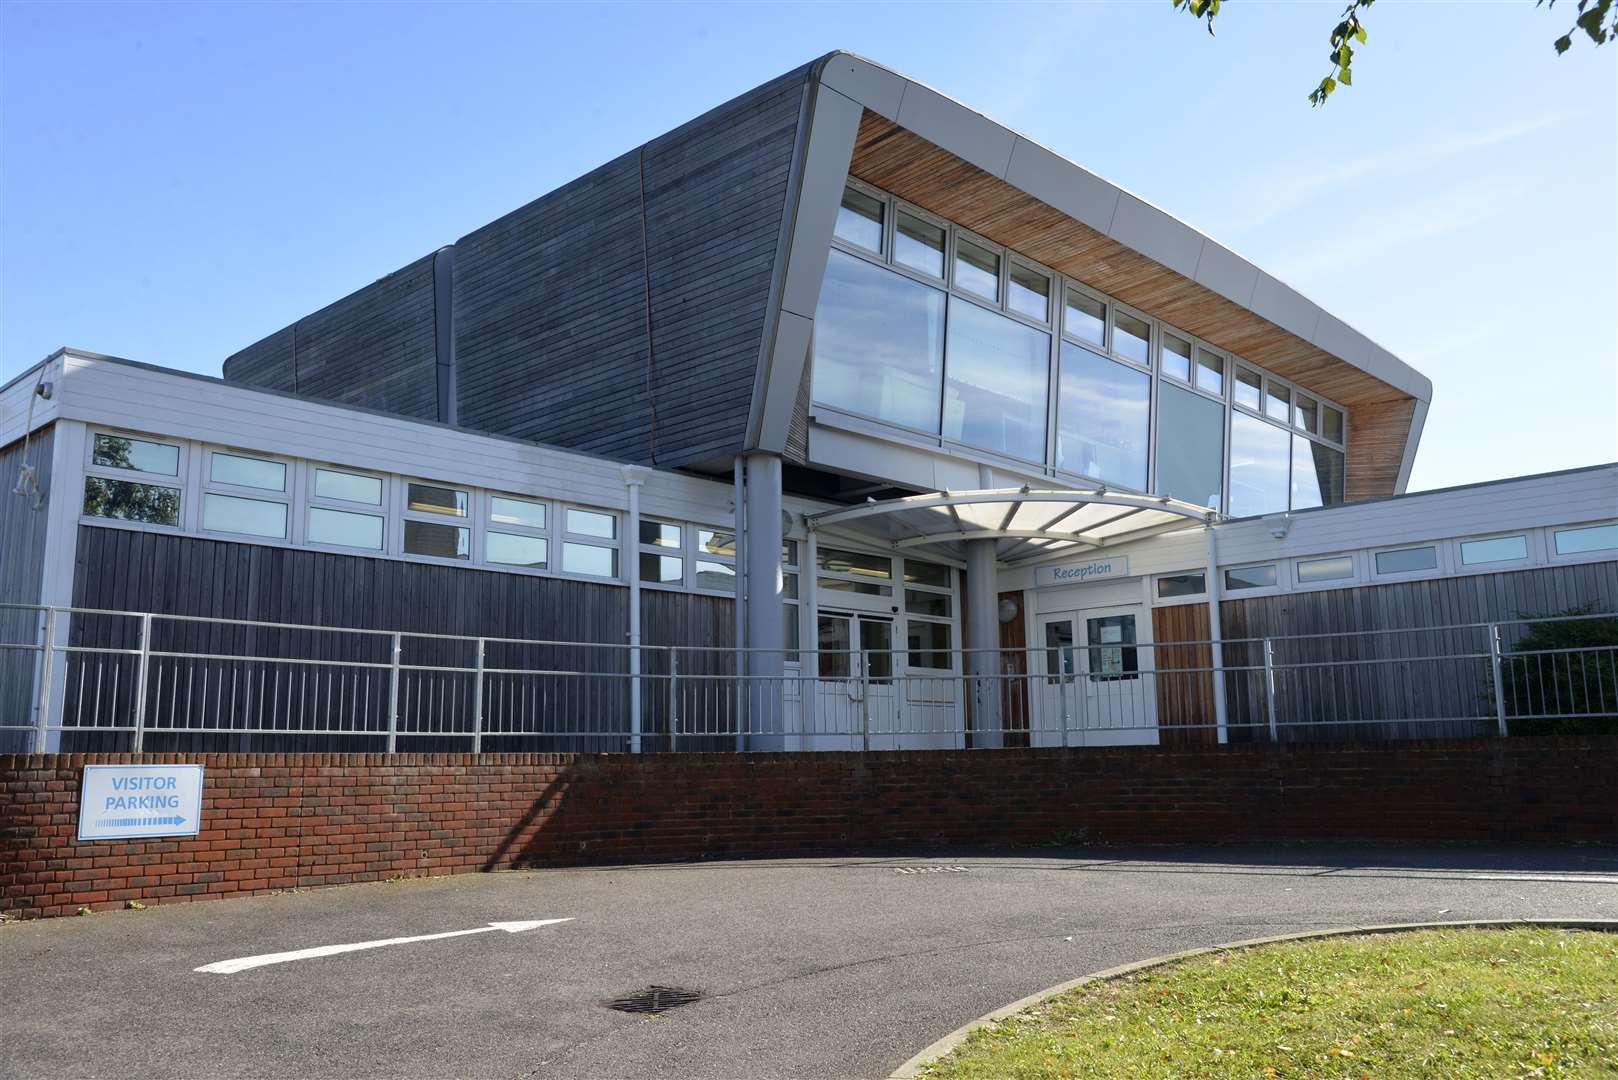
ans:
x=551 y=302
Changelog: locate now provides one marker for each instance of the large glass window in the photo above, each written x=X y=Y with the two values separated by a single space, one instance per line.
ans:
x=240 y=471
x=977 y=269
x=996 y=376
x=1190 y=446
x=1187 y=584
x=431 y=499
x=1259 y=454
x=1278 y=402
x=1211 y=372
x=918 y=244
x=1587 y=538
x=437 y=540
x=349 y=487
x=1175 y=357
x=1407 y=560
x=1250 y=577
x=1331 y=568
x=1317 y=474
x=1494 y=549
x=1086 y=318
x=878 y=344
x=1030 y=293
x=250 y=517
x=125 y=500
x=1130 y=336
x=1249 y=385
x=138 y=455
x=504 y=510
x=1102 y=418
x=510 y=549
x=839 y=561
x=859 y=220
x=343 y=529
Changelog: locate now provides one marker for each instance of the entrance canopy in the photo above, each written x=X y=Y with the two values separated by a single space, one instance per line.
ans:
x=1027 y=524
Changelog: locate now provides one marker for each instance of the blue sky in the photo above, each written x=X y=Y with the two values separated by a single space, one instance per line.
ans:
x=179 y=180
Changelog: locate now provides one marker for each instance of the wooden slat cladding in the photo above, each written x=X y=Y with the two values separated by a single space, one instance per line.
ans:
x=1357 y=681
x=1376 y=438
x=22 y=566
x=1184 y=695
x=920 y=172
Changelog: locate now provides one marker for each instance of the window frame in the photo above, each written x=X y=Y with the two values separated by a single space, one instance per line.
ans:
x=289 y=497
x=180 y=481
x=467 y=521
x=566 y=536
x=383 y=509
x=1594 y=554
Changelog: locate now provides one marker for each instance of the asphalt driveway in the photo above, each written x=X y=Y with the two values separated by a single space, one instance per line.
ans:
x=810 y=967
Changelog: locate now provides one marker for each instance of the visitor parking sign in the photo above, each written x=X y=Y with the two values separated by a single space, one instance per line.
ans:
x=131 y=802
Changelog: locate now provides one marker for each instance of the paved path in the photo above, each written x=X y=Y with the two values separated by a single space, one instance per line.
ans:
x=812 y=967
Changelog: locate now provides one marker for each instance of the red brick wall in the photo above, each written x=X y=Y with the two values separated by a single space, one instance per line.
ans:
x=275 y=821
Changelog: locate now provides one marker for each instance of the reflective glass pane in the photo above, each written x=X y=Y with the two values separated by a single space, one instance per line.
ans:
x=662 y=569
x=789 y=552
x=859 y=220
x=995 y=381
x=513 y=550
x=716 y=575
x=247 y=472
x=876 y=642
x=441 y=541
x=1333 y=568
x=834 y=637
x=789 y=586
x=1030 y=293
x=1130 y=336
x=1331 y=423
x=919 y=245
x=589 y=559
x=1317 y=474
x=1086 y=318
x=1306 y=414
x=1278 y=403
x=1190 y=446
x=508 y=511
x=659 y=534
x=128 y=501
x=1210 y=372
x=838 y=561
x=431 y=499
x=863 y=588
x=1589 y=538
x=717 y=543
x=927 y=603
x=1176 y=358
x=878 y=344
x=1494 y=549
x=790 y=633
x=929 y=644
x=1102 y=418
x=1248 y=388
x=1407 y=560
x=1259 y=454
x=1181 y=585
x=342 y=529
x=926 y=573
x=253 y=517
x=1111 y=639
x=1250 y=577
x=977 y=270
x=1059 y=656
x=349 y=487
x=590 y=523
x=118 y=452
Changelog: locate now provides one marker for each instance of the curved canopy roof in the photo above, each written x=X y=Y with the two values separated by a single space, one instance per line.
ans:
x=1027 y=524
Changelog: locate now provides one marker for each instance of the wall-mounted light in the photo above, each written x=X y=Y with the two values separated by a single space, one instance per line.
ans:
x=1009 y=610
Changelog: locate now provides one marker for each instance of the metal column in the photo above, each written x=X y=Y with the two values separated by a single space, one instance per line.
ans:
x=983 y=641
x=634 y=476
x=765 y=636
x=1216 y=636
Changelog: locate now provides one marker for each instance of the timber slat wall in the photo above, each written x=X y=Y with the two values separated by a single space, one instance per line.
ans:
x=22 y=566
x=1455 y=692
x=374 y=348
x=552 y=303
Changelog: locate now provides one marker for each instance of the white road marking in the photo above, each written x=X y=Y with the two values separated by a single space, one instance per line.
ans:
x=1570 y=879
x=244 y=963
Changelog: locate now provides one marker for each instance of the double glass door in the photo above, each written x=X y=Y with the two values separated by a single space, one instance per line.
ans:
x=855 y=705
x=1095 y=685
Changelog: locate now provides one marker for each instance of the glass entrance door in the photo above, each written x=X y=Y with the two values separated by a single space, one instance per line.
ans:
x=1096 y=686
x=853 y=707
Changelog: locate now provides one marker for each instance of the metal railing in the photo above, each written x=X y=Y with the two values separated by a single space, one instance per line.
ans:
x=80 y=679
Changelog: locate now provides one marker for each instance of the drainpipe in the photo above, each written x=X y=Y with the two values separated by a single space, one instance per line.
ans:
x=634 y=476
x=1215 y=635
x=738 y=540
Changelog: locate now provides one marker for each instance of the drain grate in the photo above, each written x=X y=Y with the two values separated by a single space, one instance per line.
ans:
x=654 y=1000
x=930 y=869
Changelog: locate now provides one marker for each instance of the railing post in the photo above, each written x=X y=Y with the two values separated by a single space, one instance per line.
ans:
x=674 y=700
x=865 y=700
x=1269 y=688
x=47 y=660
x=1499 y=684
x=1066 y=664
x=477 y=704
x=393 y=693
x=141 y=677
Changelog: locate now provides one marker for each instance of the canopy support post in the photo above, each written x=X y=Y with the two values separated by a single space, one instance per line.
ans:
x=1215 y=635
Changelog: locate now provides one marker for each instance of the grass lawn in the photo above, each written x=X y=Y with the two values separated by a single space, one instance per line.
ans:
x=1440 y=1004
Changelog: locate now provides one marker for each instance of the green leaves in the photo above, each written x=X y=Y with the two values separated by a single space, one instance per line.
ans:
x=1598 y=21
